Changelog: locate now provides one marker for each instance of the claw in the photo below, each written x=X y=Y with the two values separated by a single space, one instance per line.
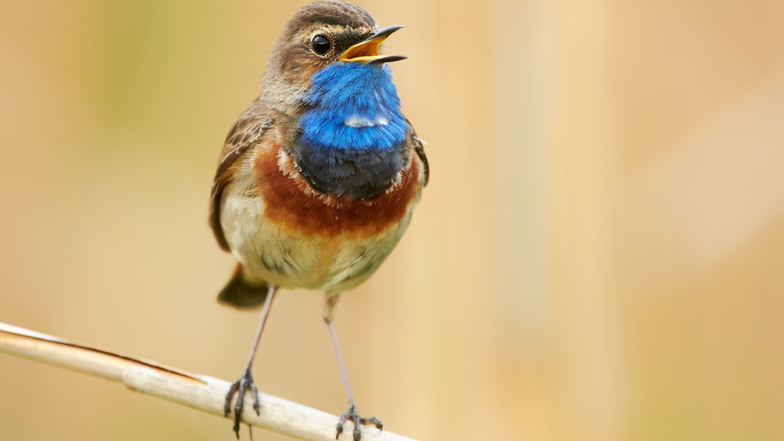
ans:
x=240 y=387
x=374 y=421
x=353 y=416
x=340 y=425
x=227 y=405
x=256 y=404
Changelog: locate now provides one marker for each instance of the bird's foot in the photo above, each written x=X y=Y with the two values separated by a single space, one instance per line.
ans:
x=244 y=384
x=353 y=415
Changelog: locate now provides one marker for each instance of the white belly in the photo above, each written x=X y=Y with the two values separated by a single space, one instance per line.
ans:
x=290 y=259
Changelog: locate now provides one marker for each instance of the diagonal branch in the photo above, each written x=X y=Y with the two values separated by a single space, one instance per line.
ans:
x=197 y=391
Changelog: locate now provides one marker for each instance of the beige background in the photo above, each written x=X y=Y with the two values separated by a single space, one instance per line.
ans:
x=598 y=256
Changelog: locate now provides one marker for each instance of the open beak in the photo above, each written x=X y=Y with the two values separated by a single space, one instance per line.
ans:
x=367 y=50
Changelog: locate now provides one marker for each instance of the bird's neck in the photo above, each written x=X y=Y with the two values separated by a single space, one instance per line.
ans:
x=352 y=136
x=353 y=106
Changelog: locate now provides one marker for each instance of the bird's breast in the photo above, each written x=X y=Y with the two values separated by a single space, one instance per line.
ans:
x=290 y=202
x=286 y=233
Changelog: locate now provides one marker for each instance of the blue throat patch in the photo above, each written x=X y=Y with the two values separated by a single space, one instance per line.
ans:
x=352 y=138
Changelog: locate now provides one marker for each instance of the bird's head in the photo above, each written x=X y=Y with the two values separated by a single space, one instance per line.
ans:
x=319 y=35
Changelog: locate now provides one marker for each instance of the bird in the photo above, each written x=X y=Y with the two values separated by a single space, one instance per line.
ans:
x=318 y=178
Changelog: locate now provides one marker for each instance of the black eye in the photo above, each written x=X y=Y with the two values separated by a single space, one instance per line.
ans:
x=321 y=44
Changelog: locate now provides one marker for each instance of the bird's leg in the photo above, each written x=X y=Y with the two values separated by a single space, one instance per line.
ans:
x=245 y=383
x=352 y=414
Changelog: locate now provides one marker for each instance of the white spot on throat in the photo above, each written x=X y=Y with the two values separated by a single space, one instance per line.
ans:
x=363 y=121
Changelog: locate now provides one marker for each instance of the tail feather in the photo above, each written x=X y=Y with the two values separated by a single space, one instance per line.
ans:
x=241 y=293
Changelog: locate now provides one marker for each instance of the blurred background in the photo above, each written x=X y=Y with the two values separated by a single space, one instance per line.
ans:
x=598 y=255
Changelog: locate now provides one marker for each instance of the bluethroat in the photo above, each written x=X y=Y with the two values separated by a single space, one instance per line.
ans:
x=318 y=178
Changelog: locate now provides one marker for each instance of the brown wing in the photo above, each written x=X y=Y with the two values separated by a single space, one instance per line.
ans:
x=419 y=148
x=247 y=131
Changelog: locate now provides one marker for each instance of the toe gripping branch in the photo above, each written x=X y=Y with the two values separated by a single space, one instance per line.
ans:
x=353 y=416
x=240 y=387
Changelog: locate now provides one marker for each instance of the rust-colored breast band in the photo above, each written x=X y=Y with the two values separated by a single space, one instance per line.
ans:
x=291 y=203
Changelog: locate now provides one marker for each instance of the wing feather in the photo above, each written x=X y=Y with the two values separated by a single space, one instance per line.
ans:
x=247 y=132
x=419 y=148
